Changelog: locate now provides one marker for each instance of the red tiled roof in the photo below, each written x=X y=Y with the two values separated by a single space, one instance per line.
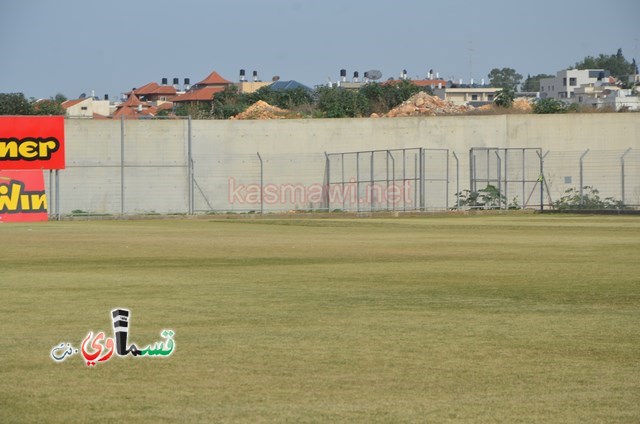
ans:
x=429 y=83
x=214 y=79
x=146 y=89
x=132 y=101
x=203 y=94
x=166 y=90
x=154 y=89
x=128 y=112
x=67 y=104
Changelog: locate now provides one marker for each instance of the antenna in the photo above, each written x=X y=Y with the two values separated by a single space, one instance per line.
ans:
x=83 y=96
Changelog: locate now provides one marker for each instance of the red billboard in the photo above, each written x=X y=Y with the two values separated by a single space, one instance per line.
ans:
x=22 y=196
x=32 y=142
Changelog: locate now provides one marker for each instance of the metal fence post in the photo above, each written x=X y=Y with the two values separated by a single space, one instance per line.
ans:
x=328 y=183
x=358 y=181
x=422 y=181
x=446 y=189
x=393 y=180
x=371 y=184
x=457 y=181
x=472 y=170
x=582 y=177
x=261 y=184
x=190 y=173
x=499 y=179
x=122 y=165
x=404 y=180
x=622 y=172
x=57 y=174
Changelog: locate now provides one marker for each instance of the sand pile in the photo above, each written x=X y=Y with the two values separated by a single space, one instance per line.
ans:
x=263 y=110
x=422 y=104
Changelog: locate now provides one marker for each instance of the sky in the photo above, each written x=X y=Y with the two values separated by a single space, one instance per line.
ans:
x=73 y=47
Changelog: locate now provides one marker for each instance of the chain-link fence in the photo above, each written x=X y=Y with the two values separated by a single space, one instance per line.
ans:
x=177 y=173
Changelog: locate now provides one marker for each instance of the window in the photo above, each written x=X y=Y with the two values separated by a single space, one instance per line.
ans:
x=490 y=97
x=474 y=97
x=542 y=88
x=573 y=81
x=83 y=108
x=564 y=82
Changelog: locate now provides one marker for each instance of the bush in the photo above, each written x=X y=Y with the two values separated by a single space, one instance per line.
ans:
x=589 y=200
x=550 y=105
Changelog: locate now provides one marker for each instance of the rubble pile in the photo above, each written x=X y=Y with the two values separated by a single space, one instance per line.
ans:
x=422 y=104
x=263 y=110
x=522 y=104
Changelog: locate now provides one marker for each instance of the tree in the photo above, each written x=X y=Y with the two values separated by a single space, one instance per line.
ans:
x=549 y=105
x=335 y=102
x=228 y=103
x=532 y=83
x=616 y=64
x=48 y=107
x=383 y=97
x=285 y=99
x=504 y=98
x=504 y=78
x=15 y=104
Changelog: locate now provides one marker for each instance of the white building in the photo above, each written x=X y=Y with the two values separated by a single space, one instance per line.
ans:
x=564 y=84
x=86 y=107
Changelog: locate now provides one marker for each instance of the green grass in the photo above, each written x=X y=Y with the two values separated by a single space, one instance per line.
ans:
x=518 y=318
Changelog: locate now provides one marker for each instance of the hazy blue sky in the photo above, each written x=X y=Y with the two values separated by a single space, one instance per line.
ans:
x=73 y=46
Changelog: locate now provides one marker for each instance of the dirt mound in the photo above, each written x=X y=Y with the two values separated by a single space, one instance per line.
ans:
x=422 y=104
x=522 y=104
x=263 y=110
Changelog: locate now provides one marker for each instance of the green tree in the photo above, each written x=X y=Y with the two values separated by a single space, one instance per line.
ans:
x=335 y=102
x=504 y=78
x=15 y=104
x=48 y=107
x=532 y=83
x=195 y=110
x=228 y=103
x=383 y=97
x=285 y=99
x=616 y=64
x=549 y=105
x=504 y=98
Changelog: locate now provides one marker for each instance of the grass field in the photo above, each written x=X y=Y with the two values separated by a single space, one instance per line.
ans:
x=518 y=318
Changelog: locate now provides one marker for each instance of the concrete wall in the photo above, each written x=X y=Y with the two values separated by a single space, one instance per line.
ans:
x=155 y=177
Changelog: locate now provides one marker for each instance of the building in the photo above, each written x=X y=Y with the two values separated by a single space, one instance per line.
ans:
x=87 y=107
x=246 y=86
x=610 y=97
x=134 y=108
x=203 y=91
x=153 y=92
x=467 y=96
x=564 y=84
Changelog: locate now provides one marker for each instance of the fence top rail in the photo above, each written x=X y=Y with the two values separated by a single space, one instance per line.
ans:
x=505 y=148
x=386 y=150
